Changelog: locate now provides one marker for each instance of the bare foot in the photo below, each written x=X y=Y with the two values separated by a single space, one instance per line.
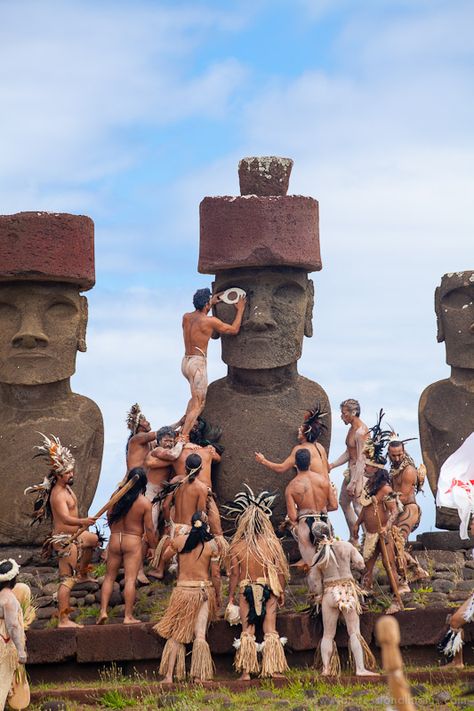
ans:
x=131 y=621
x=394 y=607
x=421 y=574
x=85 y=579
x=245 y=677
x=66 y=622
x=166 y=681
x=101 y=620
x=156 y=574
x=366 y=672
x=326 y=673
x=405 y=588
x=454 y=665
x=141 y=577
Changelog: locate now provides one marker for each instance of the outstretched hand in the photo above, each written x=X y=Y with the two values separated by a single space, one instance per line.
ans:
x=259 y=457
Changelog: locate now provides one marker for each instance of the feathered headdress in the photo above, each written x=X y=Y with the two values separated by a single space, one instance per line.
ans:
x=313 y=424
x=60 y=461
x=376 y=443
x=134 y=416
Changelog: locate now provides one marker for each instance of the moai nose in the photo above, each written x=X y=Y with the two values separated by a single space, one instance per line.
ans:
x=30 y=335
x=260 y=318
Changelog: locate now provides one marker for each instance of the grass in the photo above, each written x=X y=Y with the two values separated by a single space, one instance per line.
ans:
x=113 y=699
x=420 y=595
x=99 y=570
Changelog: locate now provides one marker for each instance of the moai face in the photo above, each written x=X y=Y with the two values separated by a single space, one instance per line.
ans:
x=42 y=326
x=454 y=304
x=277 y=316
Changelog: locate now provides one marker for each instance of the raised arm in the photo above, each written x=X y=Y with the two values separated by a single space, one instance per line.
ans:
x=278 y=468
x=229 y=329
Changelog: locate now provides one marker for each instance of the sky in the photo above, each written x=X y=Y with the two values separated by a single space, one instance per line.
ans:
x=131 y=112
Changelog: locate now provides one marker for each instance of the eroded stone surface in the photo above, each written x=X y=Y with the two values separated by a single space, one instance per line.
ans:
x=264 y=175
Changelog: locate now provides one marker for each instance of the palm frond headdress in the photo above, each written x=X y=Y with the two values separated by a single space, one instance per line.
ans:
x=134 y=417
x=313 y=424
x=376 y=443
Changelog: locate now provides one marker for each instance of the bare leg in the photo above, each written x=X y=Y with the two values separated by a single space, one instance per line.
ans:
x=67 y=566
x=141 y=577
x=330 y=616
x=132 y=558
x=168 y=679
x=368 y=579
x=250 y=629
x=195 y=407
x=349 y=514
x=114 y=560
x=89 y=541
x=307 y=551
x=353 y=630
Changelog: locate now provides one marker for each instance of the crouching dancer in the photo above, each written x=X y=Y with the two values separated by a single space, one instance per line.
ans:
x=193 y=604
x=72 y=543
x=129 y=519
x=259 y=572
x=338 y=593
x=12 y=637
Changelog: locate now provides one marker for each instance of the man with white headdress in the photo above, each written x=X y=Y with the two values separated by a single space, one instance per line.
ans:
x=12 y=637
x=57 y=500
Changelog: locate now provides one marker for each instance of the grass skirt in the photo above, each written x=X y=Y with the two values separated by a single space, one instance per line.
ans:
x=179 y=620
x=273 y=656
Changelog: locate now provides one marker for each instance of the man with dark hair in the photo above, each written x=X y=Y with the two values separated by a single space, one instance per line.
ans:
x=193 y=604
x=308 y=434
x=353 y=480
x=56 y=499
x=198 y=328
x=12 y=637
x=129 y=520
x=406 y=482
x=309 y=496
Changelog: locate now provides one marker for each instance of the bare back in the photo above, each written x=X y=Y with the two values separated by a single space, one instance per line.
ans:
x=134 y=520
x=189 y=498
x=309 y=491
x=208 y=455
x=319 y=462
x=197 y=330
x=246 y=564
x=196 y=564
x=347 y=557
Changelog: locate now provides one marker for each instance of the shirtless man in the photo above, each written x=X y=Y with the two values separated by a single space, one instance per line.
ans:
x=339 y=594
x=309 y=496
x=404 y=481
x=189 y=496
x=198 y=328
x=378 y=513
x=193 y=604
x=353 y=481
x=258 y=575
x=308 y=434
x=129 y=520
x=142 y=438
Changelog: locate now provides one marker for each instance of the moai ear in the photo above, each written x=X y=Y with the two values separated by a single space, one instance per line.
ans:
x=439 y=317
x=81 y=331
x=308 y=319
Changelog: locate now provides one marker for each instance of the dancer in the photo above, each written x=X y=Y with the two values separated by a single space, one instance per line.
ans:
x=338 y=593
x=258 y=575
x=12 y=637
x=353 y=478
x=198 y=328
x=141 y=439
x=453 y=641
x=56 y=499
x=193 y=604
x=308 y=435
x=406 y=482
x=309 y=496
x=129 y=520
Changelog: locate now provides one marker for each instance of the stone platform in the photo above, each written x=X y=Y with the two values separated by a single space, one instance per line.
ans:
x=59 y=654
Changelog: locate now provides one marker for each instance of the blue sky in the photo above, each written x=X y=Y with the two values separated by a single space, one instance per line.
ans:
x=131 y=112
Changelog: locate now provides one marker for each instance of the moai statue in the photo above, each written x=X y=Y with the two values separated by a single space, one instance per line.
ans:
x=264 y=242
x=446 y=408
x=46 y=260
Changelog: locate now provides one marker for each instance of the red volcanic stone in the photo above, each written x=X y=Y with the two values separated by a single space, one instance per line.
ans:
x=264 y=175
x=51 y=646
x=46 y=246
x=255 y=231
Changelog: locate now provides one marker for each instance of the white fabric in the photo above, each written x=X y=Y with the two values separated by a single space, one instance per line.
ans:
x=456 y=483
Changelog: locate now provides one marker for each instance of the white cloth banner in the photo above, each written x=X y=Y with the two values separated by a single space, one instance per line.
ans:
x=456 y=483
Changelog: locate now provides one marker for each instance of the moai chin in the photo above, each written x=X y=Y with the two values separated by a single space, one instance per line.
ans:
x=46 y=260
x=265 y=242
x=446 y=408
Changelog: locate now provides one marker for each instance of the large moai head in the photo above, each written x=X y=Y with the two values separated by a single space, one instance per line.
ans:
x=265 y=242
x=46 y=260
x=454 y=306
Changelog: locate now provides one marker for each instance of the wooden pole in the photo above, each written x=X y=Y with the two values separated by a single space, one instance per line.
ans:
x=386 y=561
x=110 y=503
x=387 y=632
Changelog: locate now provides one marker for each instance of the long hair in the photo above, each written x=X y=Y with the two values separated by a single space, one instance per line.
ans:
x=376 y=482
x=123 y=506
x=198 y=534
x=203 y=434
